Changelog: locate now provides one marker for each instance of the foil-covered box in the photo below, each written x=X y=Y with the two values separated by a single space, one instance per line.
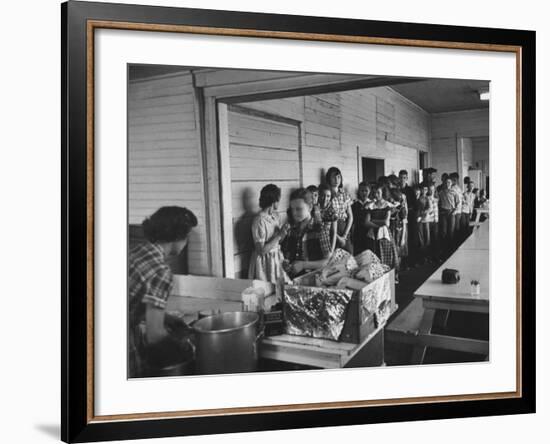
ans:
x=338 y=314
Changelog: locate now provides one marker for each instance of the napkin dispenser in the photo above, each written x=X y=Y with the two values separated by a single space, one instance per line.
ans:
x=450 y=276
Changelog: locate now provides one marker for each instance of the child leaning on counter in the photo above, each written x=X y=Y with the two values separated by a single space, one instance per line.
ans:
x=307 y=245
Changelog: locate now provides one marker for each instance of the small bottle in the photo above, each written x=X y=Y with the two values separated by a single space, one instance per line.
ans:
x=475 y=288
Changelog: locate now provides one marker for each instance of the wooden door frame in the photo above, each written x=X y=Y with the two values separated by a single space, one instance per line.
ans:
x=215 y=97
x=225 y=173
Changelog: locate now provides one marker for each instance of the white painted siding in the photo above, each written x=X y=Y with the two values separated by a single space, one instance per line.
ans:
x=165 y=162
x=444 y=157
x=374 y=122
x=467 y=155
x=334 y=129
x=447 y=127
x=481 y=153
x=164 y=159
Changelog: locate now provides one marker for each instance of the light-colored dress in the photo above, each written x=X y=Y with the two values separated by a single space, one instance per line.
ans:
x=269 y=266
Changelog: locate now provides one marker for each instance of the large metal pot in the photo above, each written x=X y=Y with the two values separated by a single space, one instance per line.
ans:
x=227 y=343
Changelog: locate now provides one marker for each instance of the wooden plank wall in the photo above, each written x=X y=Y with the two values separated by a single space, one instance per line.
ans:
x=375 y=122
x=261 y=151
x=164 y=159
x=467 y=155
x=165 y=166
x=446 y=127
x=481 y=153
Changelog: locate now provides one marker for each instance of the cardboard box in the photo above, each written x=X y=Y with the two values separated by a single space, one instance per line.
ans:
x=191 y=294
x=349 y=316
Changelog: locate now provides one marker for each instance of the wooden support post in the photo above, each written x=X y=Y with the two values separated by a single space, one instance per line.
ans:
x=419 y=352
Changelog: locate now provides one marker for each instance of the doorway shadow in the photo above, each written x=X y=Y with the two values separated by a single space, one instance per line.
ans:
x=242 y=231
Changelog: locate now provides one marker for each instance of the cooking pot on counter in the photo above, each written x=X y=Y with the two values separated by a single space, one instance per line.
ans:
x=227 y=343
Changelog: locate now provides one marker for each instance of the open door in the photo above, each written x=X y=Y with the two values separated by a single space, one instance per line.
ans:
x=372 y=169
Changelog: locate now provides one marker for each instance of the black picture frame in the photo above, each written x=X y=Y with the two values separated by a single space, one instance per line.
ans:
x=77 y=425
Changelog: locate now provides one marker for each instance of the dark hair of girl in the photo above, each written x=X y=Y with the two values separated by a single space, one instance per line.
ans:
x=383 y=181
x=302 y=193
x=269 y=195
x=169 y=224
x=384 y=189
x=323 y=187
x=396 y=194
x=332 y=171
x=393 y=179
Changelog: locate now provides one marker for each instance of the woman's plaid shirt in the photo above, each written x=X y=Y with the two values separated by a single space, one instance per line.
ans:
x=149 y=279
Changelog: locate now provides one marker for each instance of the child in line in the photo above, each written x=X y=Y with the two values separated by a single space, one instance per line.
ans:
x=267 y=259
x=458 y=213
x=379 y=236
x=327 y=215
x=341 y=202
x=413 y=224
x=433 y=221
x=448 y=204
x=481 y=202
x=360 y=208
x=307 y=246
x=316 y=211
x=467 y=208
x=423 y=209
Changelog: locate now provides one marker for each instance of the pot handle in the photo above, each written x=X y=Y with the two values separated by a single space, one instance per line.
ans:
x=193 y=347
x=260 y=334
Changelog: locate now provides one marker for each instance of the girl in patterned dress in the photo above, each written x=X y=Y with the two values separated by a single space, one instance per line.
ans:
x=398 y=222
x=327 y=215
x=266 y=263
x=341 y=203
x=360 y=208
x=380 y=238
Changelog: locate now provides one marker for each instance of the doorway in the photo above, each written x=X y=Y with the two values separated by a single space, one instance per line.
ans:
x=422 y=160
x=260 y=148
x=372 y=169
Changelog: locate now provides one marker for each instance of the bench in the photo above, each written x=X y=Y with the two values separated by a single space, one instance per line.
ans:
x=414 y=325
x=406 y=323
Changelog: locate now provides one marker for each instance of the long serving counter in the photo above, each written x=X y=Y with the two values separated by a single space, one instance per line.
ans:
x=415 y=324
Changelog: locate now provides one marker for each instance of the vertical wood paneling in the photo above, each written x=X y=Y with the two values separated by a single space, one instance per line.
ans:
x=164 y=160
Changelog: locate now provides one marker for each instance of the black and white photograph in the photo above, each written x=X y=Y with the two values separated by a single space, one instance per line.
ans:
x=285 y=221
x=274 y=222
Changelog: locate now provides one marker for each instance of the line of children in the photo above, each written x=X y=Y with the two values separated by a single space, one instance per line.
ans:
x=404 y=225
